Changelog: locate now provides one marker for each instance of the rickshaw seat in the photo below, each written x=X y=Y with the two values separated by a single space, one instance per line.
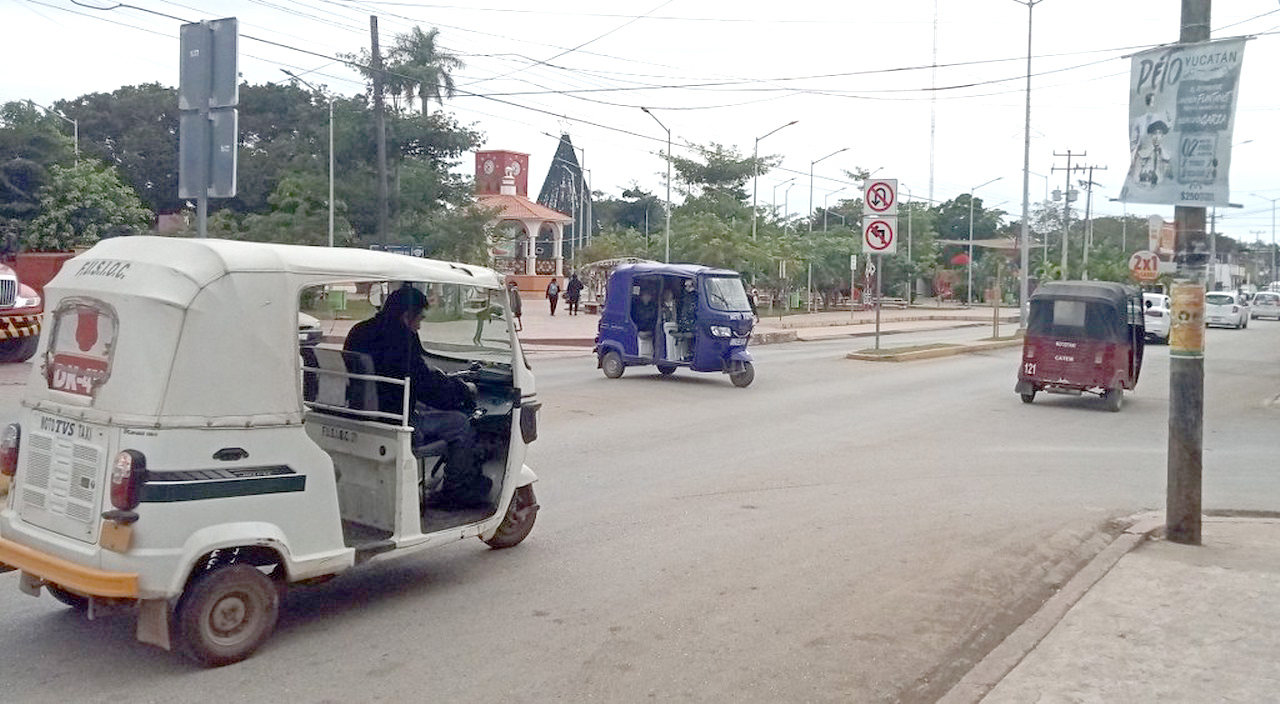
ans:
x=362 y=395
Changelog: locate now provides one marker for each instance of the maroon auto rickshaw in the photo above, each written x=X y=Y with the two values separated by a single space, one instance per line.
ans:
x=1082 y=336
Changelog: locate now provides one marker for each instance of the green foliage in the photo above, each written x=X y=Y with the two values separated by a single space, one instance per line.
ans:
x=82 y=204
x=455 y=234
x=721 y=174
x=627 y=242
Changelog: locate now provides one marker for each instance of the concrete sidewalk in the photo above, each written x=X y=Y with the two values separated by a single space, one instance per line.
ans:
x=541 y=328
x=1151 y=621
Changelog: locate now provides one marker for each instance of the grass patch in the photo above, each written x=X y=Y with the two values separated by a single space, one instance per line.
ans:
x=911 y=348
x=1002 y=338
x=357 y=309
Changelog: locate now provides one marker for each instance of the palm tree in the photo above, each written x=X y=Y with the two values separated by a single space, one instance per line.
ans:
x=419 y=70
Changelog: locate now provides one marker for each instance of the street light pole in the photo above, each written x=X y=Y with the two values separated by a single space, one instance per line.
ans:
x=668 y=235
x=303 y=81
x=755 y=176
x=845 y=149
x=773 y=202
x=75 y=125
x=1273 y=235
x=971 y=190
x=1025 y=248
x=786 y=206
x=824 y=206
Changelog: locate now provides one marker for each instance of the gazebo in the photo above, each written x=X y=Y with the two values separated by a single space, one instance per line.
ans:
x=529 y=248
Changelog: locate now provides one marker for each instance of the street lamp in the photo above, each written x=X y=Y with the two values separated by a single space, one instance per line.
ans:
x=971 y=190
x=303 y=81
x=824 y=206
x=75 y=125
x=1273 y=234
x=668 y=235
x=755 y=176
x=773 y=202
x=811 y=182
x=786 y=205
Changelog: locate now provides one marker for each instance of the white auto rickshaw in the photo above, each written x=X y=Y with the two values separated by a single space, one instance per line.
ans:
x=178 y=452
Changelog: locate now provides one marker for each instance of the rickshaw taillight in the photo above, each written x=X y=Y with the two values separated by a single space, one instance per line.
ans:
x=127 y=476
x=9 y=449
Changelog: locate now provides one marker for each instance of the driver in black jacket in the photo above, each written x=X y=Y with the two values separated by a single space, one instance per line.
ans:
x=441 y=403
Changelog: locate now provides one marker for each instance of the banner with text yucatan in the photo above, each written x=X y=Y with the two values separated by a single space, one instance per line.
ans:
x=1182 y=105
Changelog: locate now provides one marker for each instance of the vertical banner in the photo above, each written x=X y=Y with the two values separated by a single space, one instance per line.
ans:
x=1182 y=104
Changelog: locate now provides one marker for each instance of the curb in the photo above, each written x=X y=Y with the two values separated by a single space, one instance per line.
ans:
x=949 y=351
x=984 y=676
x=872 y=333
x=971 y=318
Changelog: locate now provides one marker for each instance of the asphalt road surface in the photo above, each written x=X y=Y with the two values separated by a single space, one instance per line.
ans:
x=839 y=531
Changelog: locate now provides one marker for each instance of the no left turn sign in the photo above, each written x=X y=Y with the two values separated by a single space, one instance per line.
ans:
x=880 y=234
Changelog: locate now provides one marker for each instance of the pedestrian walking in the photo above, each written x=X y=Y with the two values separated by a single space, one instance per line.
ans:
x=572 y=293
x=553 y=295
x=513 y=293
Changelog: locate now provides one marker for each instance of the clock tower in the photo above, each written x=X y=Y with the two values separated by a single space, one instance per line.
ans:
x=492 y=165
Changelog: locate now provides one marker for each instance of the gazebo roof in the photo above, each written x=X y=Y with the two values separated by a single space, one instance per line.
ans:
x=514 y=207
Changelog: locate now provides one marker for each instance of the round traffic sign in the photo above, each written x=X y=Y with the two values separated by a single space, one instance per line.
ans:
x=878 y=235
x=880 y=196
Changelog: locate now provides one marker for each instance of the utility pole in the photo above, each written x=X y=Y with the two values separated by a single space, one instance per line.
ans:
x=1088 y=215
x=1186 y=350
x=1066 y=206
x=380 y=133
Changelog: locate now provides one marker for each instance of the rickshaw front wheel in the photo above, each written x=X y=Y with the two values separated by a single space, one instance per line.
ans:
x=744 y=376
x=515 y=526
x=75 y=601
x=1029 y=396
x=1114 y=398
x=666 y=369
x=226 y=614
x=612 y=364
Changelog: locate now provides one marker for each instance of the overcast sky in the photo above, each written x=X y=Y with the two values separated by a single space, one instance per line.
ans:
x=854 y=74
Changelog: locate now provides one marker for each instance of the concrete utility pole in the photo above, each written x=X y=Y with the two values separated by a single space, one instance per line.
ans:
x=1088 y=215
x=380 y=133
x=668 y=229
x=1066 y=206
x=1024 y=244
x=1186 y=351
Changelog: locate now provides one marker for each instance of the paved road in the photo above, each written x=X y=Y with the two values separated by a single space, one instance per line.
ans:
x=839 y=531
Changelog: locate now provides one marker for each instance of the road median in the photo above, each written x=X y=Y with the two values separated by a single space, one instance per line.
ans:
x=931 y=351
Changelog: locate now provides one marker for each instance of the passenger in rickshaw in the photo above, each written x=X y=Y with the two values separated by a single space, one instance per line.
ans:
x=441 y=403
x=687 y=316
x=644 y=311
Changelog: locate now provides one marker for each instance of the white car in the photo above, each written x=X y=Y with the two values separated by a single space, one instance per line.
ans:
x=1225 y=308
x=309 y=331
x=1265 y=304
x=1155 y=311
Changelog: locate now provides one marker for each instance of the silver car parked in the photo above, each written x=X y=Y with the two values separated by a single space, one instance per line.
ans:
x=1265 y=304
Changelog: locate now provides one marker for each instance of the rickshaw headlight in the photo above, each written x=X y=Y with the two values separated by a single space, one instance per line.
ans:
x=127 y=476
x=721 y=331
x=9 y=449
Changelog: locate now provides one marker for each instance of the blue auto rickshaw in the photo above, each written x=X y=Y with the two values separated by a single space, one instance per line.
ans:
x=675 y=315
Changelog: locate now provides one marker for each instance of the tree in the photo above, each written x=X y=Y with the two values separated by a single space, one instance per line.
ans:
x=134 y=128
x=722 y=173
x=418 y=68
x=82 y=204
x=30 y=142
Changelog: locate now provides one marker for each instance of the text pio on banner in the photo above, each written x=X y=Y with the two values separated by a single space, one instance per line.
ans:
x=880 y=234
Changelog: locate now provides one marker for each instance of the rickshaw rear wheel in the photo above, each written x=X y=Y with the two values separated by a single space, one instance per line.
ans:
x=1029 y=396
x=1114 y=398
x=666 y=369
x=75 y=601
x=743 y=377
x=612 y=364
x=226 y=614
x=18 y=349
x=515 y=526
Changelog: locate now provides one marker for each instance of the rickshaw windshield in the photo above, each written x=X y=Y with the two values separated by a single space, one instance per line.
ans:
x=1074 y=319
x=466 y=322
x=461 y=322
x=726 y=293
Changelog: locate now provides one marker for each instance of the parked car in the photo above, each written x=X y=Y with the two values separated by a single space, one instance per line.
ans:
x=1155 y=308
x=1225 y=308
x=1265 y=304
x=309 y=331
